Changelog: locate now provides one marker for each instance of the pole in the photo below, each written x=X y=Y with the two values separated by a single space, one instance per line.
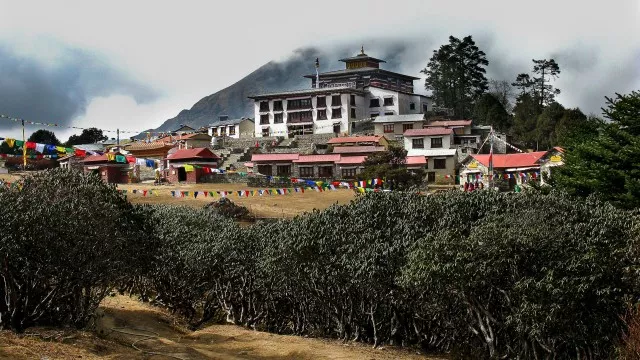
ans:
x=118 y=138
x=24 y=149
x=491 y=158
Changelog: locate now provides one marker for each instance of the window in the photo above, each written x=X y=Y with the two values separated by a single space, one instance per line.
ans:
x=352 y=99
x=388 y=101
x=264 y=119
x=418 y=143
x=353 y=113
x=349 y=173
x=306 y=171
x=265 y=133
x=373 y=115
x=436 y=142
x=321 y=101
x=431 y=177
x=336 y=128
x=335 y=100
x=336 y=113
x=298 y=117
x=299 y=104
x=439 y=163
x=425 y=108
x=374 y=103
x=264 y=169
x=406 y=127
x=322 y=114
x=277 y=105
x=388 y=128
x=389 y=113
x=232 y=130
x=284 y=170
x=278 y=118
x=325 y=171
x=264 y=106
x=412 y=106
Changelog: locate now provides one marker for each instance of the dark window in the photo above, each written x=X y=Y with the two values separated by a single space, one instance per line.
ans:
x=388 y=101
x=431 y=177
x=336 y=128
x=374 y=115
x=353 y=99
x=265 y=132
x=322 y=114
x=299 y=104
x=418 y=143
x=335 y=100
x=277 y=105
x=306 y=171
x=264 y=119
x=325 y=171
x=298 y=117
x=264 y=106
x=436 y=142
x=232 y=130
x=389 y=113
x=321 y=101
x=336 y=113
x=425 y=108
x=265 y=169
x=353 y=113
x=412 y=106
x=406 y=127
x=374 y=103
x=389 y=128
x=284 y=170
x=349 y=173
x=278 y=118
x=439 y=163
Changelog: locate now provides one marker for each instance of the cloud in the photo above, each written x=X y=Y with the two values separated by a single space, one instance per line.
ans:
x=58 y=88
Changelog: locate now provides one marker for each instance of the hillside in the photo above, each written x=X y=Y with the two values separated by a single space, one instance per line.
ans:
x=271 y=77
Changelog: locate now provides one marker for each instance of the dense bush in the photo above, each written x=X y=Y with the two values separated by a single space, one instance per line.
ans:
x=66 y=237
x=480 y=275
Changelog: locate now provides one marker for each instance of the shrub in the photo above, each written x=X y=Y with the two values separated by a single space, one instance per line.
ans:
x=66 y=238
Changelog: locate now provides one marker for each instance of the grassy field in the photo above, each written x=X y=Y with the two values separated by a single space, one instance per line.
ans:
x=266 y=206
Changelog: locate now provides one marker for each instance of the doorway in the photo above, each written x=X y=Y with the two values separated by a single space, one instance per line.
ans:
x=182 y=174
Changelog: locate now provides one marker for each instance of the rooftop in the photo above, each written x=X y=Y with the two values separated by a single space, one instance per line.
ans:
x=449 y=123
x=354 y=139
x=433 y=152
x=399 y=118
x=433 y=131
x=195 y=153
x=229 y=122
x=147 y=146
x=170 y=138
x=503 y=161
x=274 y=157
x=357 y=149
x=317 y=158
x=351 y=160
x=361 y=70
x=416 y=160
x=308 y=92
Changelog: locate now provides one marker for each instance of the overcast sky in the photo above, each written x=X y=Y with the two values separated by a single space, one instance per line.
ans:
x=134 y=64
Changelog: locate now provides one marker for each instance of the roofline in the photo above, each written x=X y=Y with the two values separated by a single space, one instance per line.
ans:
x=306 y=92
x=362 y=57
x=329 y=74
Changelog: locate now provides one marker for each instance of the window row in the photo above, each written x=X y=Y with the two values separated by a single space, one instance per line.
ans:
x=303 y=116
x=373 y=103
x=296 y=104
x=419 y=143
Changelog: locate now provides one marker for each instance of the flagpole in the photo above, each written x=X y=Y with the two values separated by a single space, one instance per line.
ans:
x=491 y=158
x=24 y=149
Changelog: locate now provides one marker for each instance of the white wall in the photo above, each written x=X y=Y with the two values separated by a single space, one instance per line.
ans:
x=447 y=142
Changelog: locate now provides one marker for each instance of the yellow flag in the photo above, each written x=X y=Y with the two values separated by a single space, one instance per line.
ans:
x=10 y=142
x=188 y=168
x=60 y=149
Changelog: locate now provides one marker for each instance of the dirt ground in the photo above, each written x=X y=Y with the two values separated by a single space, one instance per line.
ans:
x=124 y=324
x=266 y=206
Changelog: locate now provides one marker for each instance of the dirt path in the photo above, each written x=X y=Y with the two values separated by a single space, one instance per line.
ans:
x=123 y=322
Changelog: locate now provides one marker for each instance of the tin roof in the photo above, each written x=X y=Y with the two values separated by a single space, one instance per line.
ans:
x=354 y=139
x=428 y=132
x=416 y=160
x=274 y=157
x=399 y=118
x=147 y=146
x=195 y=153
x=449 y=123
x=317 y=158
x=511 y=160
x=351 y=160
x=308 y=92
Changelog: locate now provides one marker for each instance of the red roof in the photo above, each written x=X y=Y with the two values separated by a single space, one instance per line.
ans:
x=558 y=149
x=350 y=160
x=95 y=158
x=449 y=123
x=179 y=137
x=202 y=153
x=502 y=161
x=317 y=158
x=416 y=160
x=428 y=131
x=357 y=149
x=274 y=157
x=147 y=146
x=354 y=139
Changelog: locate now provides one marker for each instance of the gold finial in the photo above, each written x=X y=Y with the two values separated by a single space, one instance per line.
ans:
x=362 y=50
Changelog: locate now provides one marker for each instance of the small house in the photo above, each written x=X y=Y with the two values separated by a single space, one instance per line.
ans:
x=435 y=144
x=359 y=141
x=394 y=126
x=274 y=164
x=189 y=165
x=357 y=150
x=113 y=168
x=316 y=166
x=236 y=128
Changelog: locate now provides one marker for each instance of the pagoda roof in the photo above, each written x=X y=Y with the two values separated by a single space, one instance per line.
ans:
x=327 y=90
x=360 y=70
x=361 y=57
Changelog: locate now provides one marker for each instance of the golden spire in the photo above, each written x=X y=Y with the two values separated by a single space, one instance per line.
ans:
x=362 y=50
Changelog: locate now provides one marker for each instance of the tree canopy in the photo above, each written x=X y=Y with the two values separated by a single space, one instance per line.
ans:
x=489 y=110
x=88 y=136
x=44 y=137
x=456 y=75
x=388 y=165
x=607 y=165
